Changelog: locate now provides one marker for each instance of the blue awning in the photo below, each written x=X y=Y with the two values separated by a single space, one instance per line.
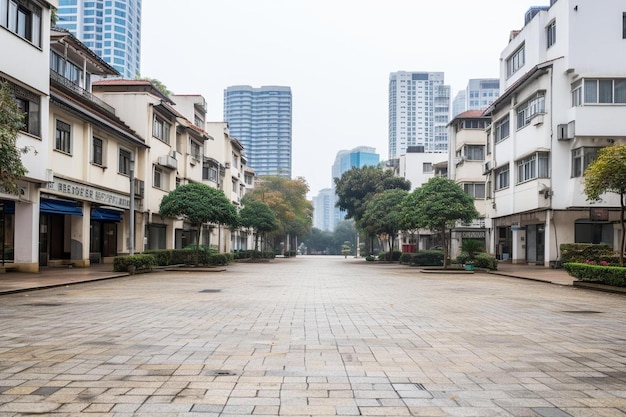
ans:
x=104 y=214
x=9 y=206
x=60 y=207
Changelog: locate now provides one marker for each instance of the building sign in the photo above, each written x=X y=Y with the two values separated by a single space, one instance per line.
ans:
x=473 y=235
x=89 y=193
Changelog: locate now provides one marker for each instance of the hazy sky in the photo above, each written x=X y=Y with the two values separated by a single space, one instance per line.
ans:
x=336 y=55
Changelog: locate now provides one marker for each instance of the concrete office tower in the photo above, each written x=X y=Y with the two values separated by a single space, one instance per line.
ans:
x=261 y=119
x=358 y=157
x=419 y=109
x=478 y=95
x=112 y=29
x=323 y=208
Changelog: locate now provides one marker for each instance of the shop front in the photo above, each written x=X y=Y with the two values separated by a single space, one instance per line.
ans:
x=7 y=231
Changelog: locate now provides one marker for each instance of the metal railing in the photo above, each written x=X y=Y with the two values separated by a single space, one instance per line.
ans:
x=81 y=91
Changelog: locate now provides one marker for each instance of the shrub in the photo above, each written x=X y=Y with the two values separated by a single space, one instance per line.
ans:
x=484 y=260
x=581 y=252
x=139 y=261
x=608 y=275
x=428 y=258
x=219 y=259
x=162 y=256
x=462 y=258
x=370 y=258
x=406 y=258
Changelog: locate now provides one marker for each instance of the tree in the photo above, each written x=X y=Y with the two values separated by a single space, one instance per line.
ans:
x=258 y=215
x=357 y=187
x=383 y=215
x=607 y=174
x=199 y=204
x=438 y=205
x=319 y=240
x=286 y=198
x=344 y=231
x=11 y=122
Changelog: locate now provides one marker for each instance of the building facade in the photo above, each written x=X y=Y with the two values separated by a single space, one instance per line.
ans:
x=419 y=110
x=112 y=29
x=564 y=98
x=261 y=118
x=323 y=209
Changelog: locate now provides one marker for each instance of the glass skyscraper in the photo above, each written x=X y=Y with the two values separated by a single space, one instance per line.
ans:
x=261 y=119
x=112 y=29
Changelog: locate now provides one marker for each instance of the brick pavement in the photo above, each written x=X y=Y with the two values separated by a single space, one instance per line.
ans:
x=313 y=337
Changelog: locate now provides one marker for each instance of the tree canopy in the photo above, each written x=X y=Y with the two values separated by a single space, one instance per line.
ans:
x=438 y=205
x=11 y=122
x=198 y=204
x=383 y=215
x=607 y=174
x=259 y=216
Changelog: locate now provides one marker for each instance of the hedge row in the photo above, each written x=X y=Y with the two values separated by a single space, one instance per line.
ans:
x=581 y=252
x=206 y=257
x=255 y=254
x=139 y=262
x=608 y=275
x=423 y=258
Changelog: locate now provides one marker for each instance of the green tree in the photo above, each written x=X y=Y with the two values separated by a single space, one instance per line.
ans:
x=158 y=84
x=11 y=122
x=344 y=231
x=286 y=198
x=258 y=215
x=318 y=240
x=383 y=215
x=199 y=204
x=357 y=187
x=438 y=205
x=607 y=174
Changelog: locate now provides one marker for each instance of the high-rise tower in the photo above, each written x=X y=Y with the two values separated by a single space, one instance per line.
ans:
x=261 y=119
x=112 y=29
x=419 y=109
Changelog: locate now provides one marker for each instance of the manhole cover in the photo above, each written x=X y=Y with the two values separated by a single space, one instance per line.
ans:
x=210 y=291
x=582 y=312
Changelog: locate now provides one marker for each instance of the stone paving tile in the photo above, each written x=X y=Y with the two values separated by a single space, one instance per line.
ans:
x=313 y=337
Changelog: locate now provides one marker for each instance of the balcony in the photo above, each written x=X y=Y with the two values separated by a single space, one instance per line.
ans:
x=58 y=78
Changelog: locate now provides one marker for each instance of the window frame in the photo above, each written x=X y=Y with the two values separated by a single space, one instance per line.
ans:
x=582 y=157
x=499 y=128
x=161 y=129
x=123 y=163
x=468 y=151
x=502 y=177
x=534 y=106
x=94 y=154
x=63 y=136
x=23 y=18
x=551 y=34
x=593 y=93
x=29 y=104
x=470 y=189
x=516 y=60
x=532 y=167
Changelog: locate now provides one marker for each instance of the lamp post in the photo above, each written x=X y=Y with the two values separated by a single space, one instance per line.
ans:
x=131 y=239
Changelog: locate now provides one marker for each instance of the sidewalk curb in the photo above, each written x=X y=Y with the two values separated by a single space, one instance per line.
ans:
x=62 y=284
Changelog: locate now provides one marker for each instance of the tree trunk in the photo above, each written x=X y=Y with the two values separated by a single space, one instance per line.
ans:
x=256 y=241
x=621 y=218
x=198 y=245
x=445 y=248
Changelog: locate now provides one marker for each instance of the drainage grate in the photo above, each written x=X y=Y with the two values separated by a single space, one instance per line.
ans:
x=420 y=387
x=43 y=304
x=210 y=291
x=582 y=312
x=220 y=373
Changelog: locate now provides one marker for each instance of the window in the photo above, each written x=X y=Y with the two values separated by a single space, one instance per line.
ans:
x=161 y=129
x=476 y=190
x=209 y=173
x=624 y=25
x=531 y=108
x=22 y=18
x=475 y=152
x=195 y=150
x=63 y=137
x=28 y=104
x=159 y=178
x=502 y=129
x=604 y=91
x=577 y=93
x=515 y=61
x=502 y=177
x=581 y=158
x=533 y=166
x=124 y=162
x=97 y=151
x=427 y=167
x=551 y=33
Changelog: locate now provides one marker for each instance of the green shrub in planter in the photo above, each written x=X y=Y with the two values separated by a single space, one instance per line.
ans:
x=132 y=263
x=162 y=256
x=483 y=260
x=607 y=275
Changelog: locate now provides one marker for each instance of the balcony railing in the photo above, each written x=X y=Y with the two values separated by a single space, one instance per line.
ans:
x=81 y=91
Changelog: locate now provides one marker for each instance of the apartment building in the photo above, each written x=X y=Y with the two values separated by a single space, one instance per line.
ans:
x=26 y=51
x=564 y=95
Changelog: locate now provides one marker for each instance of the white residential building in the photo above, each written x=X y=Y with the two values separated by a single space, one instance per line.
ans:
x=419 y=110
x=26 y=67
x=564 y=84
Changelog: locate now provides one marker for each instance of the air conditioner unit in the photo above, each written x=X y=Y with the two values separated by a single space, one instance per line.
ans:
x=565 y=131
x=227 y=165
x=538 y=120
x=487 y=168
x=458 y=160
x=176 y=155
x=168 y=161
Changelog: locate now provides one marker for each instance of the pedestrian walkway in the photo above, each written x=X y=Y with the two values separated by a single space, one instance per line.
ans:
x=11 y=282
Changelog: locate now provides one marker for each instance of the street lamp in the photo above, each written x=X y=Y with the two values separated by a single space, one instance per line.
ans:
x=131 y=240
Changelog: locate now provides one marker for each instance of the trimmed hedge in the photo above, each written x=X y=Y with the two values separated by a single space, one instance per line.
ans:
x=423 y=258
x=140 y=262
x=485 y=261
x=608 y=275
x=206 y=256
x=254 y=254
x=395 y=256
x=581 y=252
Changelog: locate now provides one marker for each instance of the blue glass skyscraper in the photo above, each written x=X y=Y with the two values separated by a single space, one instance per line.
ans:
x=112 y=29
x=261 y=119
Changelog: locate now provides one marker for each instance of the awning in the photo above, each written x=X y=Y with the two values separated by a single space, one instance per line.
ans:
x=60 y=207
x=104 y=214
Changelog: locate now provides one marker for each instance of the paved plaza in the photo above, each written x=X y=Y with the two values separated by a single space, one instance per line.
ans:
x=313 y=336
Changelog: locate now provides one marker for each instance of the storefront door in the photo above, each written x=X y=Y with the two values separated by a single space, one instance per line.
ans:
x=109 y=239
